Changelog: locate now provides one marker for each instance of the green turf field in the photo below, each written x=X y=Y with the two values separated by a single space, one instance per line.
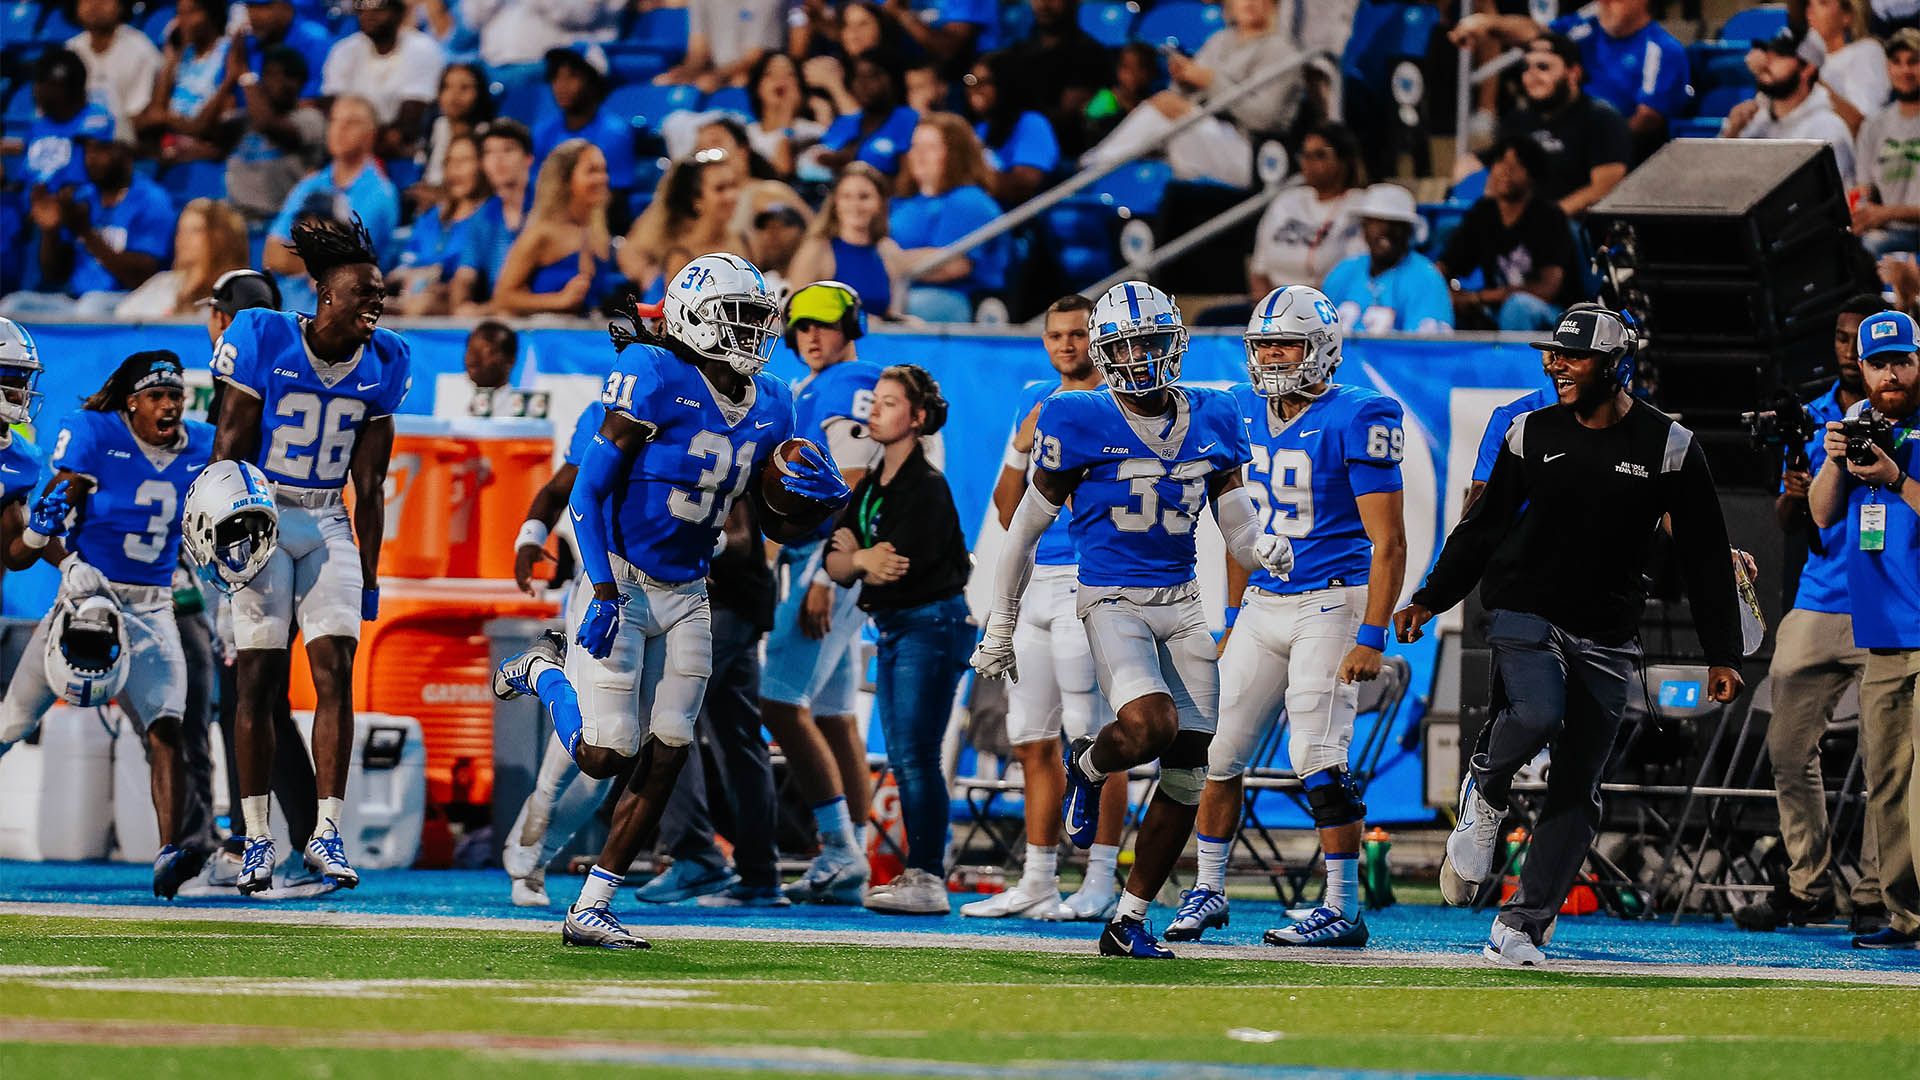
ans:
x=199 y=998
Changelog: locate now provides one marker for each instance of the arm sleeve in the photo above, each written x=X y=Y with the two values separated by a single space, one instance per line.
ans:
x=584 y=429
x=1375 y=444
x=1700 y=546
x=1473 y=541
x=1034 y=516
x=600 y=469
x=1240 y=525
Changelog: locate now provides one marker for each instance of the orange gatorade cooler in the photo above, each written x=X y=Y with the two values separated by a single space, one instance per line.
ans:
x=427 y=657
x=430 y=484
x=512 y=459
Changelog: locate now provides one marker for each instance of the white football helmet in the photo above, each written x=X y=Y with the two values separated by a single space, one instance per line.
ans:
x=87 y=650
x=1293 y=314
x=19 y=374
x=720 y=307
x=230 y=526
x=1137 y=338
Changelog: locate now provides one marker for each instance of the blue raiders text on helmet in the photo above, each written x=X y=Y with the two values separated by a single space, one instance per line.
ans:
x=230 y=525
x=19 y=374
x=1137 y=338
x=1293 y=314
x=720 y=307
x=87 y=650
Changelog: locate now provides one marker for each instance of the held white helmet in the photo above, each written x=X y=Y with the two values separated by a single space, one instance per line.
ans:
x=720 y=307
x=230 y=525
x=1293 y=314
x=1137 y=338
x=87 y=650
x=19 y=374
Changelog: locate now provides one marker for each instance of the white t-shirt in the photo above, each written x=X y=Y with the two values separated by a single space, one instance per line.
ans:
x=1859 y=74
x=120 y=79
x=1302 y=236
x=1813 y=118
x=411 y=72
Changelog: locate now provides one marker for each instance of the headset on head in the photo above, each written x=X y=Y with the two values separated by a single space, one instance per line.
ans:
x=1625 y=366
x=853 y=321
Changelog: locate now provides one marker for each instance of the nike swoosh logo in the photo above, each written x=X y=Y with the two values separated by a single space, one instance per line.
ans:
x=9 y=468
x=1550 y=457
x=368 y=385
x=1207 y=447
x=1315 y=431
x=762 y=424
x=577 y=516
x=1335 y=607
x=1073 y=806
x=190 y=468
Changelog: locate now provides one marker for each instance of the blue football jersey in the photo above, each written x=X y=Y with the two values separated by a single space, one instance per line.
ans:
x=1056 y=544
x=1305 y=476
x=1502 y=419
x=129 y=526
x=21 y=467
x=667 y=516
x=311 y=413
x=1135 y=509
x=584 y=429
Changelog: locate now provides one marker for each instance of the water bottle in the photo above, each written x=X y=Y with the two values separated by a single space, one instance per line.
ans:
x=1376 y=875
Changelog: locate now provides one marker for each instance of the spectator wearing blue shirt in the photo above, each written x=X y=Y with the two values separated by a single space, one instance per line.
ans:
x=1391 y=287
x=101 y=239
x=1020 y=144
x=879 y=133
x=577 y=83
x=62 y=117
x=1630 y=61
x=440 y=236
x=1879 y=506
x=352 y=180
x=506 y=161
x=271 y=23
x=943 y=197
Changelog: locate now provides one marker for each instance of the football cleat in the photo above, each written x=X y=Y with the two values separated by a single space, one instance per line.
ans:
x=1470 y=847
x=738 y=895
x=1132 y=938
x=1201 y=909
x=173 y=868
x=256 y=866
x=685 y=880
x=838 y=875
x=1505 y=945
x=1080 y=807
x=1091 y=904
x=596 y=927
x=515 y=675
x=531 y=890
x=327 y=854
x=1035 y=900
x=1324 y=927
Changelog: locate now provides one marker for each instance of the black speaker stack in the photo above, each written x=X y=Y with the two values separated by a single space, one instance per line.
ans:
x=1735 y=254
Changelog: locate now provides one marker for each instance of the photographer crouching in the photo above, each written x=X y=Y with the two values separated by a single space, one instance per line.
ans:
x=1864 y=484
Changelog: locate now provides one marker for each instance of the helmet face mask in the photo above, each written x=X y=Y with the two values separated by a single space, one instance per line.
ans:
x=239 y=539
x=1136 y=338
x=230 y=526
x=1292 y=315
x=86 y=650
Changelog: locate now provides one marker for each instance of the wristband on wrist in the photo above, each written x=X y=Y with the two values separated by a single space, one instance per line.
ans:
x=1014 y=459
x=34 y=540
x=1373 y=637
x=1233 y=616
x=531 y=532
x=821 y=577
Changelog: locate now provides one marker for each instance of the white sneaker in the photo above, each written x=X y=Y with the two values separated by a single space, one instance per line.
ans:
x=1505 y=945
x=531 y=890
x=223 y=870
x=1026 y=900
x=519 y=862
x=914 y=892
x=1092 y=903
x=838 y=875
x=1470 y=847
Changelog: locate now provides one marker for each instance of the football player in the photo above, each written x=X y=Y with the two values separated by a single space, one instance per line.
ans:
x=807 y=689
x=1058 y=691
x=1139 y=458
x=690 y=426
x=122 y=466
x=1326 y=471
x=310 y=401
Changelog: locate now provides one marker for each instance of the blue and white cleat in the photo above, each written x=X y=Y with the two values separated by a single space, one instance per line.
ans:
x=685 y=880
x=327 y=855
x=256 y=866
x=1132 y=938
x=516 y=674
x=1201 y=909
x=1324 y=928
x=173 y=868
x=596 y=927
x=1080 y=806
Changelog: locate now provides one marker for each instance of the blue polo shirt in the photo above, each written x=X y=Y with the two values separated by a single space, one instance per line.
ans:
x=611 y=134
x=1886 y=582
x=53 y=147
x=931 y=221
x=886 y=146
x=1031 y=143
x=143 y=221
x=371 y=195
x=1410 y=296
x=1644 y=68
x=304 y=36
x=1823 y=580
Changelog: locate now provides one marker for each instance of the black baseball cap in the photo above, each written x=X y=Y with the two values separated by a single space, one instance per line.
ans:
x=1587 y=332
x=238 y=290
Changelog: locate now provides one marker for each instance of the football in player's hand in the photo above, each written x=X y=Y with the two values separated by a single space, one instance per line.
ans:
x=773 y=488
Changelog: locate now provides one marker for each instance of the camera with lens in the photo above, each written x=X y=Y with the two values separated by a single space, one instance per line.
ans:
x=1864 y=432
x=1785 y=424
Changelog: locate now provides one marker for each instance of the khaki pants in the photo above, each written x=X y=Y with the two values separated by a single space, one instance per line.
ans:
x=1889 y=737
x=1814 y=661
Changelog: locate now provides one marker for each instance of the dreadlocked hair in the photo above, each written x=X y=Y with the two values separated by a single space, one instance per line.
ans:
x=326 y=244
x=113 y=394
x=923 y=393
x=629 y=327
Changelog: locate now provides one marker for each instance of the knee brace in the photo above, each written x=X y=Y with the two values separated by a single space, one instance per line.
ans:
x=1183 y=768
x=1333 y=798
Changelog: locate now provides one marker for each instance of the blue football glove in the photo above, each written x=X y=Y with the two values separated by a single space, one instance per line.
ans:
x=370 y=604
x=600 y=626
x=49 y=517
x=814 y=477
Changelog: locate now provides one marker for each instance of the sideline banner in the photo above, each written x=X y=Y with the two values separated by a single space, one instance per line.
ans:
x=1448 y=388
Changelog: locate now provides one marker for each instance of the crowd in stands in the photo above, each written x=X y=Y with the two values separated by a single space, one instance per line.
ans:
x=544 y=157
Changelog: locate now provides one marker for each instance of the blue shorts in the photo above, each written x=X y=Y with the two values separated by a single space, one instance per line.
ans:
x=819 y=675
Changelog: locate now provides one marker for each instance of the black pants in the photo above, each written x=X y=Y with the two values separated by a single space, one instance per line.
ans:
x=728 y=780
x=1551 y=688
x=196 y=751
x=292 y=782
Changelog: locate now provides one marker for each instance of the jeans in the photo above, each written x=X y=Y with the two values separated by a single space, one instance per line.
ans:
x=923 y=651
x=938 y=304
x=1525 y=311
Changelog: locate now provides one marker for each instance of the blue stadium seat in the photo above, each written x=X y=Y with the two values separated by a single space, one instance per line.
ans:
x=1754 y=23
x=631 y=62
x=190 y=180
x=1136 y=188
x=1109 y=22
x=1442 y=220
x=1719 y=101
x=1186 y=23
x=664 y=29
x=19 y=22
x=154 y=24
x=19 y=109
x=646 y=106
x=56 y=28
x=732 y=99
x=1696 y=127
x=519 y=91
x=1016 y=22
x=1718 y=63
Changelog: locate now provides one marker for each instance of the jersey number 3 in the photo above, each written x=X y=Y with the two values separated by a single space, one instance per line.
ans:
x=305 y=422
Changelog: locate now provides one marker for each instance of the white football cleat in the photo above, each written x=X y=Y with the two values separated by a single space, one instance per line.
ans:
x=596 y=926
x=1092 y=904
x=531 y=890
x=1201 y=909
x=256 y=867
x=327 y=854
x=1505 y=945
x=1026 y=900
